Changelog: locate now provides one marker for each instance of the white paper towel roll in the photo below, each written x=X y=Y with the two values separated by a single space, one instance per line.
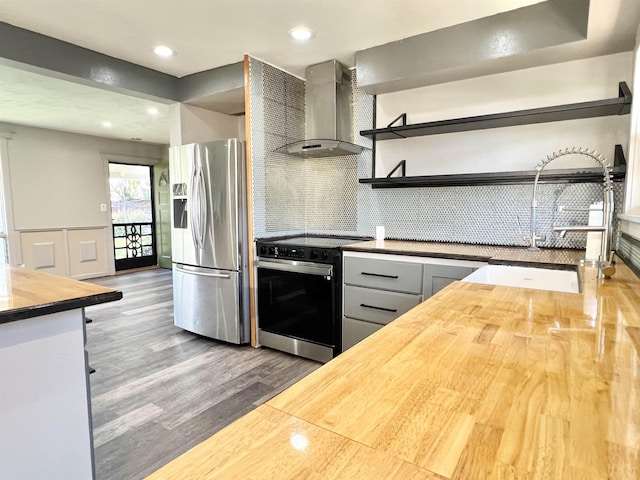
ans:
x=380 y=236
x=594 y=239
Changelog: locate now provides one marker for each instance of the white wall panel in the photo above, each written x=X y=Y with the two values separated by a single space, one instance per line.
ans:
x=88 y=252
x=78 y=253
x=43 y=255
x=45 y=251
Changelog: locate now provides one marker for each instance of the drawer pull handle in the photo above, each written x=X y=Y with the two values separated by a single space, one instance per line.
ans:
x=378 y=275
x=393 y=310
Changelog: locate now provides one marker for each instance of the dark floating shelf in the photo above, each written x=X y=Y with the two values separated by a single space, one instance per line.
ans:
x=598 y=108
x=587 y=175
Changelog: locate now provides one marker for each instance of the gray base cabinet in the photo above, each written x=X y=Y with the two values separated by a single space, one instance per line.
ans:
x=436 y=277
x=354 y=331
x=377 y=306
x=383 y=274
x=376 y=292
x=378 y=288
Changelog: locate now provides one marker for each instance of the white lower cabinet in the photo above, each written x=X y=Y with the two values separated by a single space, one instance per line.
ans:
x=45 y=403
x=378 y=288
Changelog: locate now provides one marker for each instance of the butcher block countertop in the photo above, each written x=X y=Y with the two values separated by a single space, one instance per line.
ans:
x=26 y=293
x=477 y=382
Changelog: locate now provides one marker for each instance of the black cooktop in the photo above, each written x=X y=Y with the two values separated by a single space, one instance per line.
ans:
x=320 y=242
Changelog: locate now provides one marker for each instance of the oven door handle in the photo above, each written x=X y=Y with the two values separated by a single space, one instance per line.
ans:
x=322 y=270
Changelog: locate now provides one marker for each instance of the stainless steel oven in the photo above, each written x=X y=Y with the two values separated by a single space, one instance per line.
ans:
x=299 y=300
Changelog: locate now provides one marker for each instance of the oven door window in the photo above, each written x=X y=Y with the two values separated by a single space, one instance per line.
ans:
x=297 y=305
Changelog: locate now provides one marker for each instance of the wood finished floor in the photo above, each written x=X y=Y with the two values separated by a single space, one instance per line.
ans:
x=158 y=390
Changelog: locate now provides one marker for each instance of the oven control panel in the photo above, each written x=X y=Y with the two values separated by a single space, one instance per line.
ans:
x=289 y=252
x=281 y=251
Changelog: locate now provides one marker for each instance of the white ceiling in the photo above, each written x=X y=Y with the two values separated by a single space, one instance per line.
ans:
x=211 y=33
x=39 y=101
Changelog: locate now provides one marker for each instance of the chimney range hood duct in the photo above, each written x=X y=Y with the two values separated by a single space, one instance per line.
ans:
x=328 y=113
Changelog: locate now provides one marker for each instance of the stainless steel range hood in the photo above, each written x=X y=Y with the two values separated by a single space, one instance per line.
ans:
x=328 y=113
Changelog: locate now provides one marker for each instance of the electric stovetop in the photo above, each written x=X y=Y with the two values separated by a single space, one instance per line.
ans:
x=314 y=241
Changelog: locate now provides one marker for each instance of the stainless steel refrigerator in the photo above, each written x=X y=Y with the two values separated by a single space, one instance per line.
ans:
x=209 y=239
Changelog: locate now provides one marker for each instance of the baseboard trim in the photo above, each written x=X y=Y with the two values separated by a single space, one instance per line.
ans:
x=139 y=269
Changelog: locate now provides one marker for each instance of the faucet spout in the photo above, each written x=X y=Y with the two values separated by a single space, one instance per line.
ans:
x=606 y=253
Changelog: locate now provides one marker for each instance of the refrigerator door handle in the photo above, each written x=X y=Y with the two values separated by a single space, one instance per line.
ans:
x=201 y=273
x=193 y=200
x=202 y=208
x=198 y=214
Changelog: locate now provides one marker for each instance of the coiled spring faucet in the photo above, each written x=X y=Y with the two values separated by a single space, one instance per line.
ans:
x=606 y=268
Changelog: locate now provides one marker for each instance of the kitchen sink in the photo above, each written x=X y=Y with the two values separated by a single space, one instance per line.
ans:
x=526 y=277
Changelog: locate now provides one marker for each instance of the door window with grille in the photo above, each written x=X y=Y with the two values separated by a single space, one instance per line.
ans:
x=132 y=215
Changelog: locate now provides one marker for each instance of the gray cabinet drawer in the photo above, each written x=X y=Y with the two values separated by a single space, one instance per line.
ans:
x=376 y=305
x=436 y=277
x=353 y=331
x=383 y=274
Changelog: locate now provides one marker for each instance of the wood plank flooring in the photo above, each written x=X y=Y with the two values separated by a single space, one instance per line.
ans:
x=158 y=390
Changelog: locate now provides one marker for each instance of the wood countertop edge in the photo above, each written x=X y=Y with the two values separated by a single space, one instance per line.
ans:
x=37 y=310
x=27 y=293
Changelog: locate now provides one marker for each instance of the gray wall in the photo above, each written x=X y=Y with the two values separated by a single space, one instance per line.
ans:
x=58 y=179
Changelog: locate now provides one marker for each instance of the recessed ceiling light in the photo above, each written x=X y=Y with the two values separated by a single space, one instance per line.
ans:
x=152 y=111
x=301 y=33
x=107 y=124
x=163 y=51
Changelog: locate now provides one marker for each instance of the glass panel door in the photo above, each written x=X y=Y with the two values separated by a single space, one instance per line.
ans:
x=132 y=215
x=162 y=194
